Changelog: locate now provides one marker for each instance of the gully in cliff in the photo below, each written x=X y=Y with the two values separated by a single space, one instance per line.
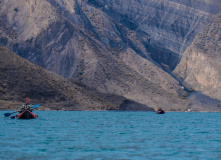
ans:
x=25 y=111
x=160 y=111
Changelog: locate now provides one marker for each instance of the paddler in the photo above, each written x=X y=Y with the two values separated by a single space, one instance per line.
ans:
x=26 y=105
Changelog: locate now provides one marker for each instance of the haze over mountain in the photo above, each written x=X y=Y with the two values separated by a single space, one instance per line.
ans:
x=124 y=47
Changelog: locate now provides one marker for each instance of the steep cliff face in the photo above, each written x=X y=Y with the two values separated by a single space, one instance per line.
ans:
x=159 y=29
x=200 y=67
x=20 y=79
x=115 y=46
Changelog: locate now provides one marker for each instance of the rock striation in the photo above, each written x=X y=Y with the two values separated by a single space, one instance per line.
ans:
x=200 y=66
x=20 y=79
x=160 y=29
x=128 y=47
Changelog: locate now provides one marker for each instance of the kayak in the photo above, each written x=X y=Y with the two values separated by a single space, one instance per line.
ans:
x=26 y=115
x=160 y=112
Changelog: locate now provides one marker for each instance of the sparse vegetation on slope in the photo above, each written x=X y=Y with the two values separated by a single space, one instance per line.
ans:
x=20 y=79
x=200 y=67
x=126 y=48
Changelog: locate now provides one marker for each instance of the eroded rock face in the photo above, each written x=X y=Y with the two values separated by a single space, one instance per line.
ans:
x=20 y=79
x=164 y=28
x=200 y=67
x=156 y=30
x=118 y=47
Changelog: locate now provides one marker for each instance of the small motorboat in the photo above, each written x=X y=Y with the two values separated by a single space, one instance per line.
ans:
x=26 y=114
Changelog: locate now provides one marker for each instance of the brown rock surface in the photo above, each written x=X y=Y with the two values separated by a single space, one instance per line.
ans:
x=20 y=79
x=126 y=48
x=200 y=66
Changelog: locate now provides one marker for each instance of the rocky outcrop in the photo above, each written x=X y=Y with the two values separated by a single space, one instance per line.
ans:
x=159 y=29
x=20 y=79
x=126 y=48
x=200 y=67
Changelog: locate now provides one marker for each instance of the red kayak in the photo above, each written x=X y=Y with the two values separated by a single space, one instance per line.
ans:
x=26 y=115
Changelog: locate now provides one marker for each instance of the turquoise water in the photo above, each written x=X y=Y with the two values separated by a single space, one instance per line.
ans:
x=111 y=135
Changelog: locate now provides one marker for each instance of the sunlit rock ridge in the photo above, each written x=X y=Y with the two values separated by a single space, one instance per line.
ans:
x=200 y=67
x=127 y=47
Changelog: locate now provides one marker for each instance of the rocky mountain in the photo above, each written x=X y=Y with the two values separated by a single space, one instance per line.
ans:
x=160 y=29
x=20 y=79
x=200 y=66
x=128 y=47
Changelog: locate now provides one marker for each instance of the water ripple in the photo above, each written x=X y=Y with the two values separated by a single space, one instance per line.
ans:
x=112 y=135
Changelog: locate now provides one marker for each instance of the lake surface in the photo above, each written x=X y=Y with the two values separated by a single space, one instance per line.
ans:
x=107 y=135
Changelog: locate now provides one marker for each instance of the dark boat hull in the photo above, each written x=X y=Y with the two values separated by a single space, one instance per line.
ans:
x=160 y=112
x=26 y=115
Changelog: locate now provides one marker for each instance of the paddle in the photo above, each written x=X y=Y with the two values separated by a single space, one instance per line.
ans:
x=8 y=114
x=35 y=106
x=12 y=117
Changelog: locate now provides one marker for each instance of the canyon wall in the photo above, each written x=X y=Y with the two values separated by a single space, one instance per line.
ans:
x=200 y=67
x=127 y=48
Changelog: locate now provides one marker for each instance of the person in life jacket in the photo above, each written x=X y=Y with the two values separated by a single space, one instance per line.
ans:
x=26 y=105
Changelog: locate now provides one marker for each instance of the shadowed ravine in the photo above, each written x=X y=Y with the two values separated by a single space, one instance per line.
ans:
x=130 y=49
